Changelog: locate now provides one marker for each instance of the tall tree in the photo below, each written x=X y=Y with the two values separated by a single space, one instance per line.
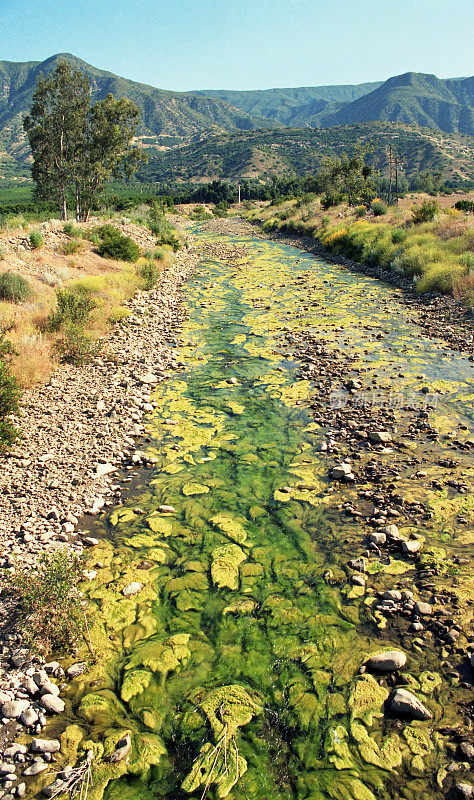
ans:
x=77 y=146
x=106 y=149
x=55 y=130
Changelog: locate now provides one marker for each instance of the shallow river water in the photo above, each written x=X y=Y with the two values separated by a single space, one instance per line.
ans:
x=236 y=666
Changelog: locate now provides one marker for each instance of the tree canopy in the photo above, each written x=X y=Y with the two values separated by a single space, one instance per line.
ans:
x=77 y=146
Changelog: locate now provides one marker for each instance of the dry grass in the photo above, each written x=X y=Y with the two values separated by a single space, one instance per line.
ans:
x=111 y=284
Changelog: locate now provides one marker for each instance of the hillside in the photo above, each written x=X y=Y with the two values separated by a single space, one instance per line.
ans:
x=291 y=106
x=263 y=154
x=167 y=117
x=413 y=98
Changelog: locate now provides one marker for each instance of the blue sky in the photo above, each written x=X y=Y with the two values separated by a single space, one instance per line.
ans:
x=253 y=44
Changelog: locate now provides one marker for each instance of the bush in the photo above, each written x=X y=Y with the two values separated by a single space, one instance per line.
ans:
x=14 y=288
x=119 y=247
x=150 y=273
x=360 y=211
x=74 y=347
x=398 y=236
x=73 y=308
x=378 y=207
x=426 y=212
x=465 y=205
x=70 y=230
x=36 y=240
x=70 y=248
x=49 y=601
x=9 y=393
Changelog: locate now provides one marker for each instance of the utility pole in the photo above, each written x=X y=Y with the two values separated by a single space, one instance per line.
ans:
x=390 y=174
x=396 y=180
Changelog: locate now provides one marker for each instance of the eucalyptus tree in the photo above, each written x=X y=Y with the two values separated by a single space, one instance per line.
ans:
x=78 y=145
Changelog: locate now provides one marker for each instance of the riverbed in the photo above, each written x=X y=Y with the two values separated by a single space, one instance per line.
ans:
x=224 y=638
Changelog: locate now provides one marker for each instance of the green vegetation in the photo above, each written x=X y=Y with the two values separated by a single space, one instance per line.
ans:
x=70 y=248
x=149 y=272
x=52 y=617
x=161 y=228
x=72 y=313
x=14 y=288
x=425 y=212
x=9 y=392
x=436 y=252
x=71 y=230
x=36 y=240
x=72 y=308
x=117 y=246
x=378 y=207
x=77 y=146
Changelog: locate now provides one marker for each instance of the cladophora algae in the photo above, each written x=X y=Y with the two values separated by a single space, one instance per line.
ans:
x=235 y=668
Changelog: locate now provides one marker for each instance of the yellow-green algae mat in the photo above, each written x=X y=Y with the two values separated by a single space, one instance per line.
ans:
x=235 y=666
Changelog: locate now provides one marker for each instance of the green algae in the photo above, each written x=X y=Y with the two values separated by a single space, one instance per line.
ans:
x=236 y=630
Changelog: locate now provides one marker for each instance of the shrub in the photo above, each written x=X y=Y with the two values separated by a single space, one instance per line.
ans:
x=158 y=254
x=73 y=308
x=465 y=205
x=378 y=207
x=52 y=616
x=71 y=230
x=3 y=253
x=74 y=347
x=398 y=236
x=14 y=288
x=119 y=247
x=149 y=272
x=426 y=212
x=70 y=248
x=360 y=211
x=36 y=240
x=9 y=393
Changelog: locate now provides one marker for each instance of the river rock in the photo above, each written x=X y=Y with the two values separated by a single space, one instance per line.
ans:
x=341 y=470
x=422 y=609
x=122 y=749
x=14 y=708
x=76 y=669
x=36 y=768
x=386 y=662
x=4 y=697
x=392 y=594
x=380 y=437
x=52 y=704
x=391 y=532
x=466 y=751
x=133 y=588
x=166 y=509
x=45 y=745
x=465 y=791
x=411 y=546
x=404 y=703
x=29 y=717
x=378 y=538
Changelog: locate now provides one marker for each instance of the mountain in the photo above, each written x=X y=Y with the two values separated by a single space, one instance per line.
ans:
x=290 y=106
x=413 y=98
x=299 y=151
x=167 y=117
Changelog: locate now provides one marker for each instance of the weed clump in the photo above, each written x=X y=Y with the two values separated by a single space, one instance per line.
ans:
x=9 y=393
x=72 y=308
x=149 y=272
x=378 y=208
x=425 y=212
x=49 y=601
x=117 y=246
x=36 y=240
x=14 y=288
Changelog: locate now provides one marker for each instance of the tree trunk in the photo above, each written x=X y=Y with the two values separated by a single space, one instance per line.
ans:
x=64 y=209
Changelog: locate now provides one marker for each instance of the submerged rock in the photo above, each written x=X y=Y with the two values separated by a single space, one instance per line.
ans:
x=133 y=588
x=404 y=703
x=386 y=662
x=124 y=745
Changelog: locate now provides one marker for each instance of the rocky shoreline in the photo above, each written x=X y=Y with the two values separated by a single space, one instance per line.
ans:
x=78 y=432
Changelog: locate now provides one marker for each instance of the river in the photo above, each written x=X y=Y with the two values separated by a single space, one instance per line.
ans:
x=235 y=668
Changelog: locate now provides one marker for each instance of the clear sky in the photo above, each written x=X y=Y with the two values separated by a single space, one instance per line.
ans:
x=246 y=44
